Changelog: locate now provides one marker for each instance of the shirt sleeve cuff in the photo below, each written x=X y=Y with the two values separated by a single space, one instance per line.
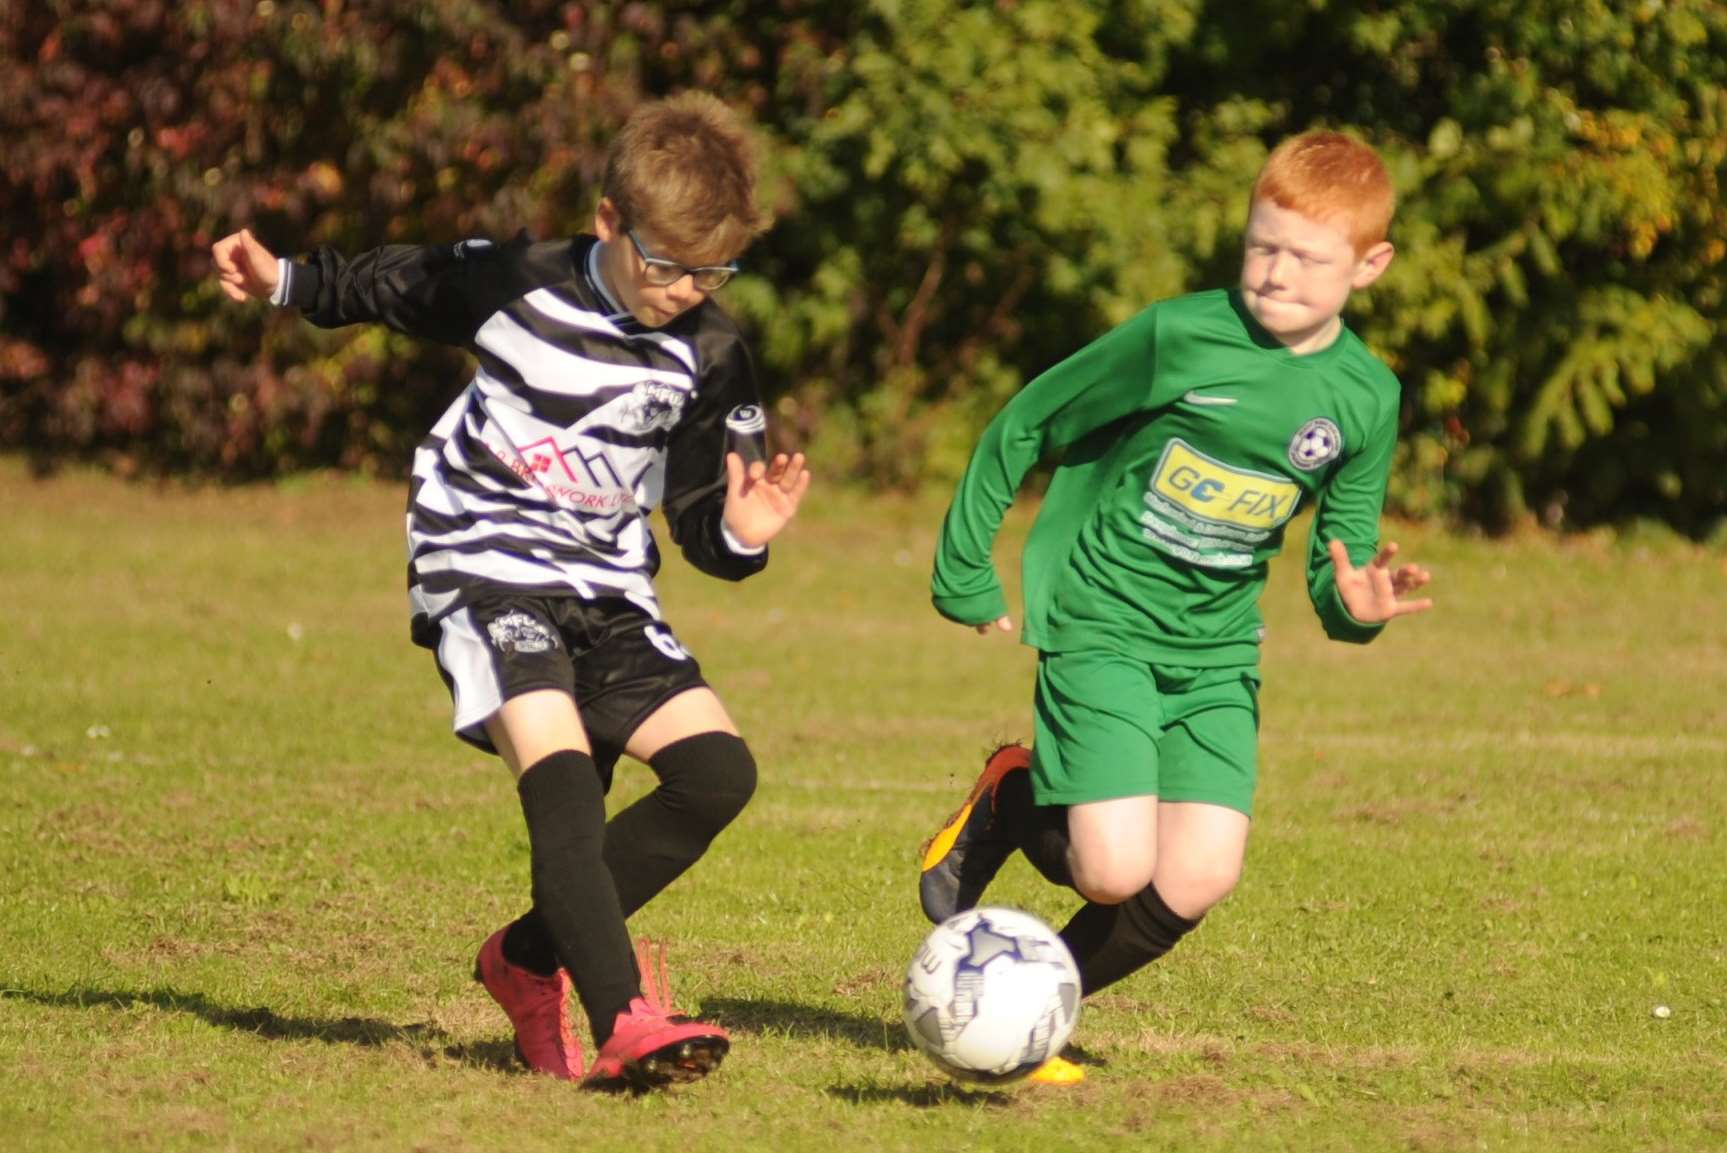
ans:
x=971 y=608
x=737 y=546
x=1341 y=625
x=284 y=279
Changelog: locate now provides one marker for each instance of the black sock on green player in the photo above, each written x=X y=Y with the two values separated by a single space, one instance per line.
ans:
x=1040 y=831
x=1112 y=941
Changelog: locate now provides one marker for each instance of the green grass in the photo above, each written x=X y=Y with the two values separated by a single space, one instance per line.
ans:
x=246 y=867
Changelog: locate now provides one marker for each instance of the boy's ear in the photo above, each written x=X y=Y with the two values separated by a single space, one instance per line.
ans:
x=608 y=223
x=1372 y=264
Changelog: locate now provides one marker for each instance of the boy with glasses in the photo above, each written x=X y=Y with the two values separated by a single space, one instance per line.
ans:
x=606 y=378
x=1188 y=437
x=665 y=273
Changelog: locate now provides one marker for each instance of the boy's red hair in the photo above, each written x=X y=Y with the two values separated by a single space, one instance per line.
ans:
x=1332 y=178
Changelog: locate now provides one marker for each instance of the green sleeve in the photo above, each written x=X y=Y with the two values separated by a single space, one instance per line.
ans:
x=1349 y=511
x=1109 y=379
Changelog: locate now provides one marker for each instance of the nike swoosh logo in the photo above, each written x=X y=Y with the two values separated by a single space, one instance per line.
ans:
x=1201 y=398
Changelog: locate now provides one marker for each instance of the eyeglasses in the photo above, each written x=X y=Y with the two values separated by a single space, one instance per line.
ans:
x=665 y=273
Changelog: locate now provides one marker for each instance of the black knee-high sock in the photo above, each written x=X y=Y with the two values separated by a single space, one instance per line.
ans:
x=575 y=901
x=1039 y=830
x=705 y=782
x=1112 y=941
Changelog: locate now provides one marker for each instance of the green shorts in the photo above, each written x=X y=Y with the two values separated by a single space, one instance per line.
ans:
x=1109 y=726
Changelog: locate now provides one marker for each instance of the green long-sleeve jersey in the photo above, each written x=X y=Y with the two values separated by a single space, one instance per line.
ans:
x=1187 y=438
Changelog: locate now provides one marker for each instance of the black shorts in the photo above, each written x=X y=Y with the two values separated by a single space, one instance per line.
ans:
x=619 y=663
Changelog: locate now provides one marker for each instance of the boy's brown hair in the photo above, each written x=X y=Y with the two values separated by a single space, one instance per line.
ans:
x=1331 y=178
x=684 y=170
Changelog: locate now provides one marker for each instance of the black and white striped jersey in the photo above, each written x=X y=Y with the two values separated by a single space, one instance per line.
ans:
x=578 y=423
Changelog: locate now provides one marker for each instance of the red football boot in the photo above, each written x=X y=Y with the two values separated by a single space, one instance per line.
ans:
x=652 y=1044
x=537 y=1006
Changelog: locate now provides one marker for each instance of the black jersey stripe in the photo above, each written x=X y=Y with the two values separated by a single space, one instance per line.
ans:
x=478 y=554
x=594 y=340
x=664 y=343
x=445 y=573
x=597 y=346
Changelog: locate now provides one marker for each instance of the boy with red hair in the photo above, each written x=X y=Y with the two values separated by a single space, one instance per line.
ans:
x=1188 y=438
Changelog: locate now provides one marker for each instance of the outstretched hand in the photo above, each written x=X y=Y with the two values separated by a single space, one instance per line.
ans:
x=762 y=498
x=245 y=268
x=1375 y=592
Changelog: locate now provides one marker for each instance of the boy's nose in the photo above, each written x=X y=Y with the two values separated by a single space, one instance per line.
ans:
x=683 y=291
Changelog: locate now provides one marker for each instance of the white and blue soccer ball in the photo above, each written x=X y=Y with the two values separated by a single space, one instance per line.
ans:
x=991 y=995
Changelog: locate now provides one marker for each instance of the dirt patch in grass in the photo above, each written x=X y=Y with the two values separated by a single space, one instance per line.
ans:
x=866 y=981
x=1688 y=828
x=1198 y=1088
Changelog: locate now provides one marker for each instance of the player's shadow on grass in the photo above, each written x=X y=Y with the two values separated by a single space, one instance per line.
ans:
x=931 y=1096
x=945 y=1094
x=805 y=1021
x=430 y=1041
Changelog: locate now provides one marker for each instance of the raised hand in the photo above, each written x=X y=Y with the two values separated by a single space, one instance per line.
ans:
x=245 y=268
x=762 y=498
x=1375 y=592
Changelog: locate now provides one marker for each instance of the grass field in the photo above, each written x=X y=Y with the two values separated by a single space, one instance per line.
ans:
x=246 y=867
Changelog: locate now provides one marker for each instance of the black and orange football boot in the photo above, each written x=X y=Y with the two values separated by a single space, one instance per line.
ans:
x=962 y=858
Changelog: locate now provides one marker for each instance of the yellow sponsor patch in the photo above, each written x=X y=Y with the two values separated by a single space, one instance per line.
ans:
x=1215 y=492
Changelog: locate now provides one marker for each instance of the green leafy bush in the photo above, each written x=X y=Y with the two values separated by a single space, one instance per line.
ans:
x=966 y=193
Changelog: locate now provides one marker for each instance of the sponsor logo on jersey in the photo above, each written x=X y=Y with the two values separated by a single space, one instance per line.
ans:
x=1209 y=513
x=569 y=476
x=1317 y=443
x=517 y=632
x=746 y=433
x=746 y=418
x=1214 y=491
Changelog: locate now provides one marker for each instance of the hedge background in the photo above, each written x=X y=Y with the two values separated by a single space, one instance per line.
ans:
x=965 y=192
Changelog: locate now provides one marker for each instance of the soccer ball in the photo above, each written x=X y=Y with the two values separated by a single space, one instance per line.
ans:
x=991 y=995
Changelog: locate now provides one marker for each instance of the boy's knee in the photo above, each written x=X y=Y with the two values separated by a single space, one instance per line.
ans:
x=733 y=780
x=1191 y=890
x=710 y=776
x=1107 y=890
x=1110 y=879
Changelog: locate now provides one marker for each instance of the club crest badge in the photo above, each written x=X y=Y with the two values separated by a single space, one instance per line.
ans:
x=1317 y=444
x=652 y=406
x=517 y=632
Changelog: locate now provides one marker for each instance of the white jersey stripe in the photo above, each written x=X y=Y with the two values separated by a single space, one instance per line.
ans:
x=549 y=305
x=499 y=566
x=554 y=370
